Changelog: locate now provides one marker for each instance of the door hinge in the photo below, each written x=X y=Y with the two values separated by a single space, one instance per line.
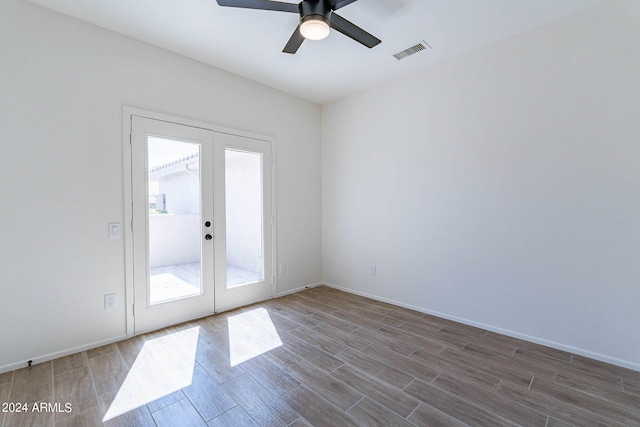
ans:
x=131 y=224
x=134 y=309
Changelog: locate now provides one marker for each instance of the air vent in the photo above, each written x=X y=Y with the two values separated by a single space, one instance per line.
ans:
x=423 y=45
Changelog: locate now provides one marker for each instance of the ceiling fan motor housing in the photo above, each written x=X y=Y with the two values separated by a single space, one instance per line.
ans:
x=315 y=9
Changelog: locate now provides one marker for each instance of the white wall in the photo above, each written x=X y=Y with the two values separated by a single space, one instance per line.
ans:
x=182 y=192
x=174 y=239
x=501 y=188
x=63 y=84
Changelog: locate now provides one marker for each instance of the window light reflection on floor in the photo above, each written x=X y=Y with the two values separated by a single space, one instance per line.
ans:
x=251 y=334
x=163 y=366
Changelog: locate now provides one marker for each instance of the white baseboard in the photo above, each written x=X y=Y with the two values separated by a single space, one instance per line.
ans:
x=47 y=357
x=301 y=288
x=513 y=334
x=558 y=346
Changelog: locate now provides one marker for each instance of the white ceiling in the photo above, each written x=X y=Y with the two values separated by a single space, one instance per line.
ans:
x=249 y=42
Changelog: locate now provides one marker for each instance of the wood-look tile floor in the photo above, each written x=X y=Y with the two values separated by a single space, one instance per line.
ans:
x=325 y=358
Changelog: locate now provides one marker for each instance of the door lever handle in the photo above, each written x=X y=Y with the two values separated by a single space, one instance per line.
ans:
x=208 y=237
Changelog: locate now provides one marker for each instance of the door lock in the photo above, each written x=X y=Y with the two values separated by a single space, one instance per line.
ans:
x=208 y=237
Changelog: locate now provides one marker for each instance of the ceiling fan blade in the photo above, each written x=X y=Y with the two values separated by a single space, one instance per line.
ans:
x=337 y=4
x=349 y=29
x=294 y=42
x=261 y=4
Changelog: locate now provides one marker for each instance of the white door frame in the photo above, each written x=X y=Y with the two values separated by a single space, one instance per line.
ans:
x=127 y=231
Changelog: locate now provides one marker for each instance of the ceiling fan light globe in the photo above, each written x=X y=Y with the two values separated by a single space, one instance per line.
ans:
x=314 y=28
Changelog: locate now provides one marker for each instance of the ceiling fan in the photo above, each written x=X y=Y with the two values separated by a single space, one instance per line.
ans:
x=316 y=19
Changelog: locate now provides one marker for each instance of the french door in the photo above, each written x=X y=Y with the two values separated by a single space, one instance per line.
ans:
x=201 y=216
x=244 y=229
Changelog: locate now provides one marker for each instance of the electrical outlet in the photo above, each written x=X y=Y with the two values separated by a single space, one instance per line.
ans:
x=110 y=301
x=114 y=230
x=283 y=268
x=372 y=270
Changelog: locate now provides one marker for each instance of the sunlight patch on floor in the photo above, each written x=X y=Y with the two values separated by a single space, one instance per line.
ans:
x=251 y=334
x=163 y=366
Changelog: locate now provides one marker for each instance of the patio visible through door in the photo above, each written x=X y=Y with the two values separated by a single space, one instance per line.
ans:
x=202 y=224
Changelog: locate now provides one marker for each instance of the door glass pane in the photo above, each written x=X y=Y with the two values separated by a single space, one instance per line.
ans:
x=243 y=196
x=175 y=249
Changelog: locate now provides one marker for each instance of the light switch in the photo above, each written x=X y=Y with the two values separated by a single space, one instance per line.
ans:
x=114 y=230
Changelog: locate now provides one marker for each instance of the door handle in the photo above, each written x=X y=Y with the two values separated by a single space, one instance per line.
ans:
x=208 y=237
